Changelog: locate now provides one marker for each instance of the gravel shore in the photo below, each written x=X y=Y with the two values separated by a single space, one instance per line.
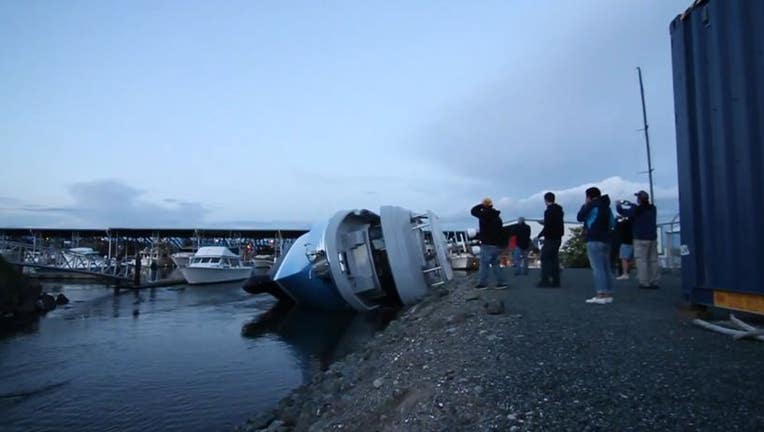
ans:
x=531 y=358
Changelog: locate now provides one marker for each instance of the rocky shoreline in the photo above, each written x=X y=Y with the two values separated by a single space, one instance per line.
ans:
x=398 y=380
x=22 y=300
x=459 y=361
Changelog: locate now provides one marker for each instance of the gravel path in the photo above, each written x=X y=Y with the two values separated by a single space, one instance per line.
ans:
x=544 y=361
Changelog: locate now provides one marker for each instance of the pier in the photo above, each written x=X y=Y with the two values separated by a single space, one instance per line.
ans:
x=127 y=257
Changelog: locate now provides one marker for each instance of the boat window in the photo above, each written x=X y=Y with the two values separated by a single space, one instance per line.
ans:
x=214 y=260
x=205 y=260
x=196 y=260
x=224 y=261
x=234 y=262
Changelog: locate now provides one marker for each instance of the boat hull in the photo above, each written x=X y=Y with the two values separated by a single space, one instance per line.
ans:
x=361 y=261
x=295 y=276
x=181 y=259
x=199 y=276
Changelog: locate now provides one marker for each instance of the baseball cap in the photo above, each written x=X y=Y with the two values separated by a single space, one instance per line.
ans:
x=642 y=194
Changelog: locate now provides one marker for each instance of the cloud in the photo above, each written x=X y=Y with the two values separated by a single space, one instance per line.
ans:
x=107 y=203
x=8 y=201
x=566 y=108
x=532 y=207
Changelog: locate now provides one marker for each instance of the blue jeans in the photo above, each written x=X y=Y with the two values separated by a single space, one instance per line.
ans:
x=520 y=261
x=489 y=257
x=599 y=259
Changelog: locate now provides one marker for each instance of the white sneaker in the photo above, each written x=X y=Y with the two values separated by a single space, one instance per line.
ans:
x=623 y=277
x=600 y=300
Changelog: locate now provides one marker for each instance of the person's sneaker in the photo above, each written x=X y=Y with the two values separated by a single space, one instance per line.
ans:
x=481 y=287
x=644 y=286
x=600 y=300
x=623 y=277
x=501 y=286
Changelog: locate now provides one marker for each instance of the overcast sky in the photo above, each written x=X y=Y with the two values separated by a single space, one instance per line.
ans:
x=261 y=114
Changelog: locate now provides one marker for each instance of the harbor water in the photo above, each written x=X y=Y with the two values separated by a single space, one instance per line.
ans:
x=190 y=358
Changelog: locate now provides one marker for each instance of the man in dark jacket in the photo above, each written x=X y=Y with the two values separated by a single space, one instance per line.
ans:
x=598 y=222
x=552 y=232
x=643 y=221
x=522 y=233
x=492 y=242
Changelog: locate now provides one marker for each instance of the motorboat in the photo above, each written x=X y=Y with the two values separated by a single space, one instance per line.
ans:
x=215 y=264
x=182 y=257
x=461 y=255
x=360 y=260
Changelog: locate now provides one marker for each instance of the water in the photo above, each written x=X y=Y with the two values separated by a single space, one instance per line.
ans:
x=195 y=358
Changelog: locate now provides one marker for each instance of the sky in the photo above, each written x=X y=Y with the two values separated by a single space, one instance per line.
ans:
x=277 y=114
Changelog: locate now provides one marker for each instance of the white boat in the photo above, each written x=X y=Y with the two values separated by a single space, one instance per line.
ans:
x=181 y=259
x=461 y=255
x=263 y=263
x=215 y=264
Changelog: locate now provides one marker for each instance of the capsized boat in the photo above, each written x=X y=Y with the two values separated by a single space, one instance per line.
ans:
x=215 y=264
x=360 y=260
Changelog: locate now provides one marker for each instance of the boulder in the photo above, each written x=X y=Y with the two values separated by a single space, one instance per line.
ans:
x=45 y=303
x=61 y=299
x=494 y=307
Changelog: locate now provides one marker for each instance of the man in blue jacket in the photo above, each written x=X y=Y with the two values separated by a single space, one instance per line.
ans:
x=492 y=242
x=598 y=222
x=644 y=227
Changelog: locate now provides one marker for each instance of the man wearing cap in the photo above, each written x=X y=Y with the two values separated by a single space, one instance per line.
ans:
x=643 y=217
x=492 y=243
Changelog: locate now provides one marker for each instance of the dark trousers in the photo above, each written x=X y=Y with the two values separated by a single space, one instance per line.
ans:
x=550 y=261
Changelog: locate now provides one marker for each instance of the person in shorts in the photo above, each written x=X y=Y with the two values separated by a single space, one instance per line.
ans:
x=626 y=251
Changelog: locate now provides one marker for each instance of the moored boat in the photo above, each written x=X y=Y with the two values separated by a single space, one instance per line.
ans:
x=215 y=264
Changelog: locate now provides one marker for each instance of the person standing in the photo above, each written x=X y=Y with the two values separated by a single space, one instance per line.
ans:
x=626 y=250
x=599 y=222
x=522 y=234
x=552 y=233
x=492 y=243
x=644 y=227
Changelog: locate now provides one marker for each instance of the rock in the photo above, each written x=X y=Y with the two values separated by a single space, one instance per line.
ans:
x=494 y=307
x=275 y=425
x=45 y=303
x=457 y=318
x=261 y=421
x=378 y=383
x=61 y=299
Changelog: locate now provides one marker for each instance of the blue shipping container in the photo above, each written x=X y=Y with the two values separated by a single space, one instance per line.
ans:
x=718 y=66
